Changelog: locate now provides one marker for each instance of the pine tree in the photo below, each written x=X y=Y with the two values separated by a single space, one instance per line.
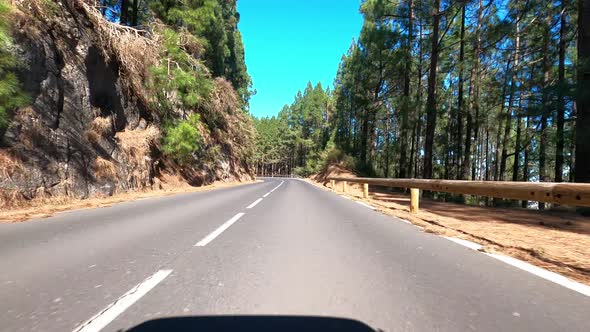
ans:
x=11 y=95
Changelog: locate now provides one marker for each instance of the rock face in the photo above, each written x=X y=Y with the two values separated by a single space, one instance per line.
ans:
x=71 y=84
x=85 y=131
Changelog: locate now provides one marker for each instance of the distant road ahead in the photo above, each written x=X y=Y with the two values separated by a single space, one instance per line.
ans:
x=280 y=247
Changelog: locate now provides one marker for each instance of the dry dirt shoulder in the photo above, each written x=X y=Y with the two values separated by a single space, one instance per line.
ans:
x=46 y=207
x=556 y=241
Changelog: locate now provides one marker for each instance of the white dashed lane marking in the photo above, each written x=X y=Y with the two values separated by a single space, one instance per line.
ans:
x=108 y=314
x=219 y=230
x=254 y=203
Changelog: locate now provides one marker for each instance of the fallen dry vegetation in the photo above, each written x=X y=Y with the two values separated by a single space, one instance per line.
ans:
x=558 y=241
x=43 y=207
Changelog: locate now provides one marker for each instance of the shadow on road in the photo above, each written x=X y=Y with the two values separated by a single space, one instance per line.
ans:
x=252 y=323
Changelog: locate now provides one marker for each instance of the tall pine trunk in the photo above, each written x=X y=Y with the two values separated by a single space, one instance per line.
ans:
x=487 y=153
x=364 y=138
x=525 y=162
x=387 y=139
x=545 y=108
x=403 y=164
x=476 y=86
x=501 y=116
x=418 y=105
x=460 y=109
x=124 y=17
x=582 y=168
x=135 y=13
x=431 y=98
x=473 y=99
x=515 y=166
x=508 y=125
x=475 y=131
x=559 y=144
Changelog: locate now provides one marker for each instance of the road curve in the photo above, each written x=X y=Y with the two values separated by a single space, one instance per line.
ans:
x=276 y=255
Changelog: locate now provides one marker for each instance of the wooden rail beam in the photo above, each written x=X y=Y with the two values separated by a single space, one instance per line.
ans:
x=574 y=194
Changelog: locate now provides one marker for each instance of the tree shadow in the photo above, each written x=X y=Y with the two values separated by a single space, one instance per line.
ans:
x=252 y=323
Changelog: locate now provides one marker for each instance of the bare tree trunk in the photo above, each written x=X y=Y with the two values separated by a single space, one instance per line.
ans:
x=508 y=125
x=431 y=98
x=481 y=166
x=515 y=166
x=543 y=177
x=476 y=86
x=517 y=146
x=364 y=137
x=418 y=105
x=124 y=17
x=582 y=165
x=135 y=13
x=488 y=156
x=525 y=164
x=506 y=138
x=403 y=166
x=497 y=155
x=412 y=151
x=448 y=149
x=475 y=136
x=460 y=109
x=468 y=130
x=559 y=158
x=572 y=159
x=386 y=167
x=473 y=98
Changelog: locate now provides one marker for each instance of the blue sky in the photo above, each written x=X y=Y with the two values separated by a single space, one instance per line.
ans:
x=291 y=42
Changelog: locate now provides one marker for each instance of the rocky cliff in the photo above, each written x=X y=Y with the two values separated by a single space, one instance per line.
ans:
x=89 y=127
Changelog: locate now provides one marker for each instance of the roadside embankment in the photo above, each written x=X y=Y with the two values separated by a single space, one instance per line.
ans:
x=43 y=207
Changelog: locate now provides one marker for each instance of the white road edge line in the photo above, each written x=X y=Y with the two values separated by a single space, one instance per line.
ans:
x=366 y=205
x=254 y=203
x=219 y=230
x=540 y=272
x=465 y=243
x=265 y=195
x=108 y=314
x=545 y=274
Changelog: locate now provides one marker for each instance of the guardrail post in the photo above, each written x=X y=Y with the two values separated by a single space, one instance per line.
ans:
x=344 y=186
x=333 y=184
x=365 y=190
x=414 y=200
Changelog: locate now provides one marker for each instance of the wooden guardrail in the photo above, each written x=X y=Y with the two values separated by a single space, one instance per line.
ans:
x=573 y=194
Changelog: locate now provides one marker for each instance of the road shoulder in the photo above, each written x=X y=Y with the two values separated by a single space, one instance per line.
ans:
x=44 y=208
x=561 y=251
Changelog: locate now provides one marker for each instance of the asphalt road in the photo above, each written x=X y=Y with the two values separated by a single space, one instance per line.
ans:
x=299 y=259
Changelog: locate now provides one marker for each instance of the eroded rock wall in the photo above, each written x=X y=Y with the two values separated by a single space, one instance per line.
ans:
x=66 y=138
x=88 y=129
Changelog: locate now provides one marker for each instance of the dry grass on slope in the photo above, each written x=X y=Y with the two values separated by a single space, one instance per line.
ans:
x=333 y=170
x=229 y=128
x=135 y=50
x=9 y=167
